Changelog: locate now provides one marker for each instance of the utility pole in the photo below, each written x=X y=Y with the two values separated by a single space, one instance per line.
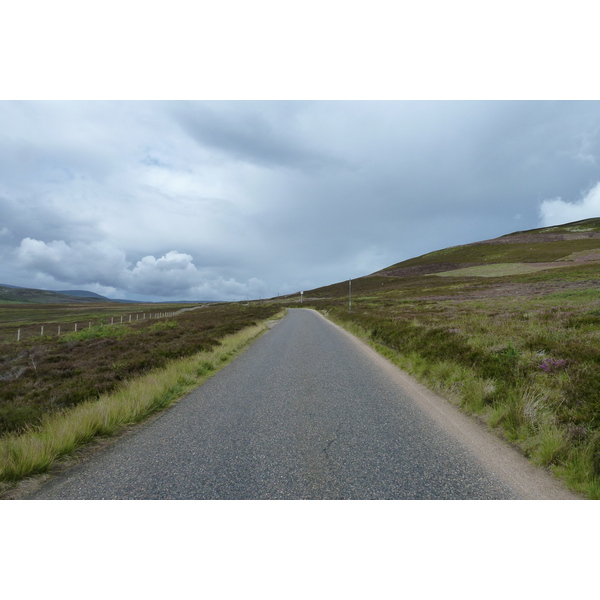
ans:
x=349 y=295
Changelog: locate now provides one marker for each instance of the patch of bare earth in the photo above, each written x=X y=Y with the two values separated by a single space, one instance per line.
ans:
x=540 y=238
x=431 y=269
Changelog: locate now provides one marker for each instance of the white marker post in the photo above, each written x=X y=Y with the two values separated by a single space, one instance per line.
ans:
x=301 y=293
x=349 y=295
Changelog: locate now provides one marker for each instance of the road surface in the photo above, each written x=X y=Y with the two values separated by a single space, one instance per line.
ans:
x=307 y=412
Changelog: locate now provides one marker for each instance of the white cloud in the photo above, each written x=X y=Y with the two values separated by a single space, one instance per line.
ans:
x=101 y=266
x=173 y=274
x=557 y=211
x=77 y=262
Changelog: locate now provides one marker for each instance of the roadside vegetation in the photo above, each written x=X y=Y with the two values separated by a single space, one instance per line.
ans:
x=514 y=340
x=521 y=352
x=57 y=394
x=31 y=317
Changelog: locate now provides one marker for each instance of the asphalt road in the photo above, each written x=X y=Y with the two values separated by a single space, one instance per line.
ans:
x=307 y=412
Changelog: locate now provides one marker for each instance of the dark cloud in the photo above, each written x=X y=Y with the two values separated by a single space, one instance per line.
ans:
x=265 y=134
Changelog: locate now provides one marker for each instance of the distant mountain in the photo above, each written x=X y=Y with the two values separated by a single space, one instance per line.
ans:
x=12 y=293
x=16 y=287
x=83 y=294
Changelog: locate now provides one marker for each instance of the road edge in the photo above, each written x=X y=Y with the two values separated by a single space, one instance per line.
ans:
x=527 y=480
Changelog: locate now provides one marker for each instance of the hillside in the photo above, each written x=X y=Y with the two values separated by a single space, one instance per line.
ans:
x=83 y=294
x=508 y=329
x=554 y=258
x=33 y=296
x=533 y=250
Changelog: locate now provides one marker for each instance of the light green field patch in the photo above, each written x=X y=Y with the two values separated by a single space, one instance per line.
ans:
x=585 y=256
x=497 y=270
x=588 y=294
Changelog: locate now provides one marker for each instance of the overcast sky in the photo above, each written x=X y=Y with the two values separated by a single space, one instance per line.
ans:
x=250 y=199
x=173 y=199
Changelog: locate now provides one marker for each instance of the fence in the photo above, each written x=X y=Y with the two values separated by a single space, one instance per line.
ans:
x=58 y=329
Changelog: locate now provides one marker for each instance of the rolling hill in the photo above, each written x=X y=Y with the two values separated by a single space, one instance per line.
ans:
x=15 y=294
x=561 y=257
x=11 y=293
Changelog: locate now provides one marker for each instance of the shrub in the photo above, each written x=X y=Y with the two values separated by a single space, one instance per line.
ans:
x=552 y=365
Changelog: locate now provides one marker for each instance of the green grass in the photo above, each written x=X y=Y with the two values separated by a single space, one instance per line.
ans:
x=30 y=317
x=98 y=331
x=585 y=294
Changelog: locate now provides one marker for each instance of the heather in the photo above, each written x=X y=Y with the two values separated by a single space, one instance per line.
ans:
x=42 y=375
x=517 y=348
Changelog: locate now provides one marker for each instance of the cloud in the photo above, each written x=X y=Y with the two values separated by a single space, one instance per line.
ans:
x=263 y=134
x=228 y=199
x=557 y=211
x=104 y=267
x=71 y=263
x=174 y=274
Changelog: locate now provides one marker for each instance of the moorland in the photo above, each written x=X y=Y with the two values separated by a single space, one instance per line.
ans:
x=508 y=329
x=43 y=374
x=60 y=392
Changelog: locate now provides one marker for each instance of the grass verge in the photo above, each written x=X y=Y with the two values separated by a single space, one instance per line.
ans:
x=526 y=402
x=61 y=434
